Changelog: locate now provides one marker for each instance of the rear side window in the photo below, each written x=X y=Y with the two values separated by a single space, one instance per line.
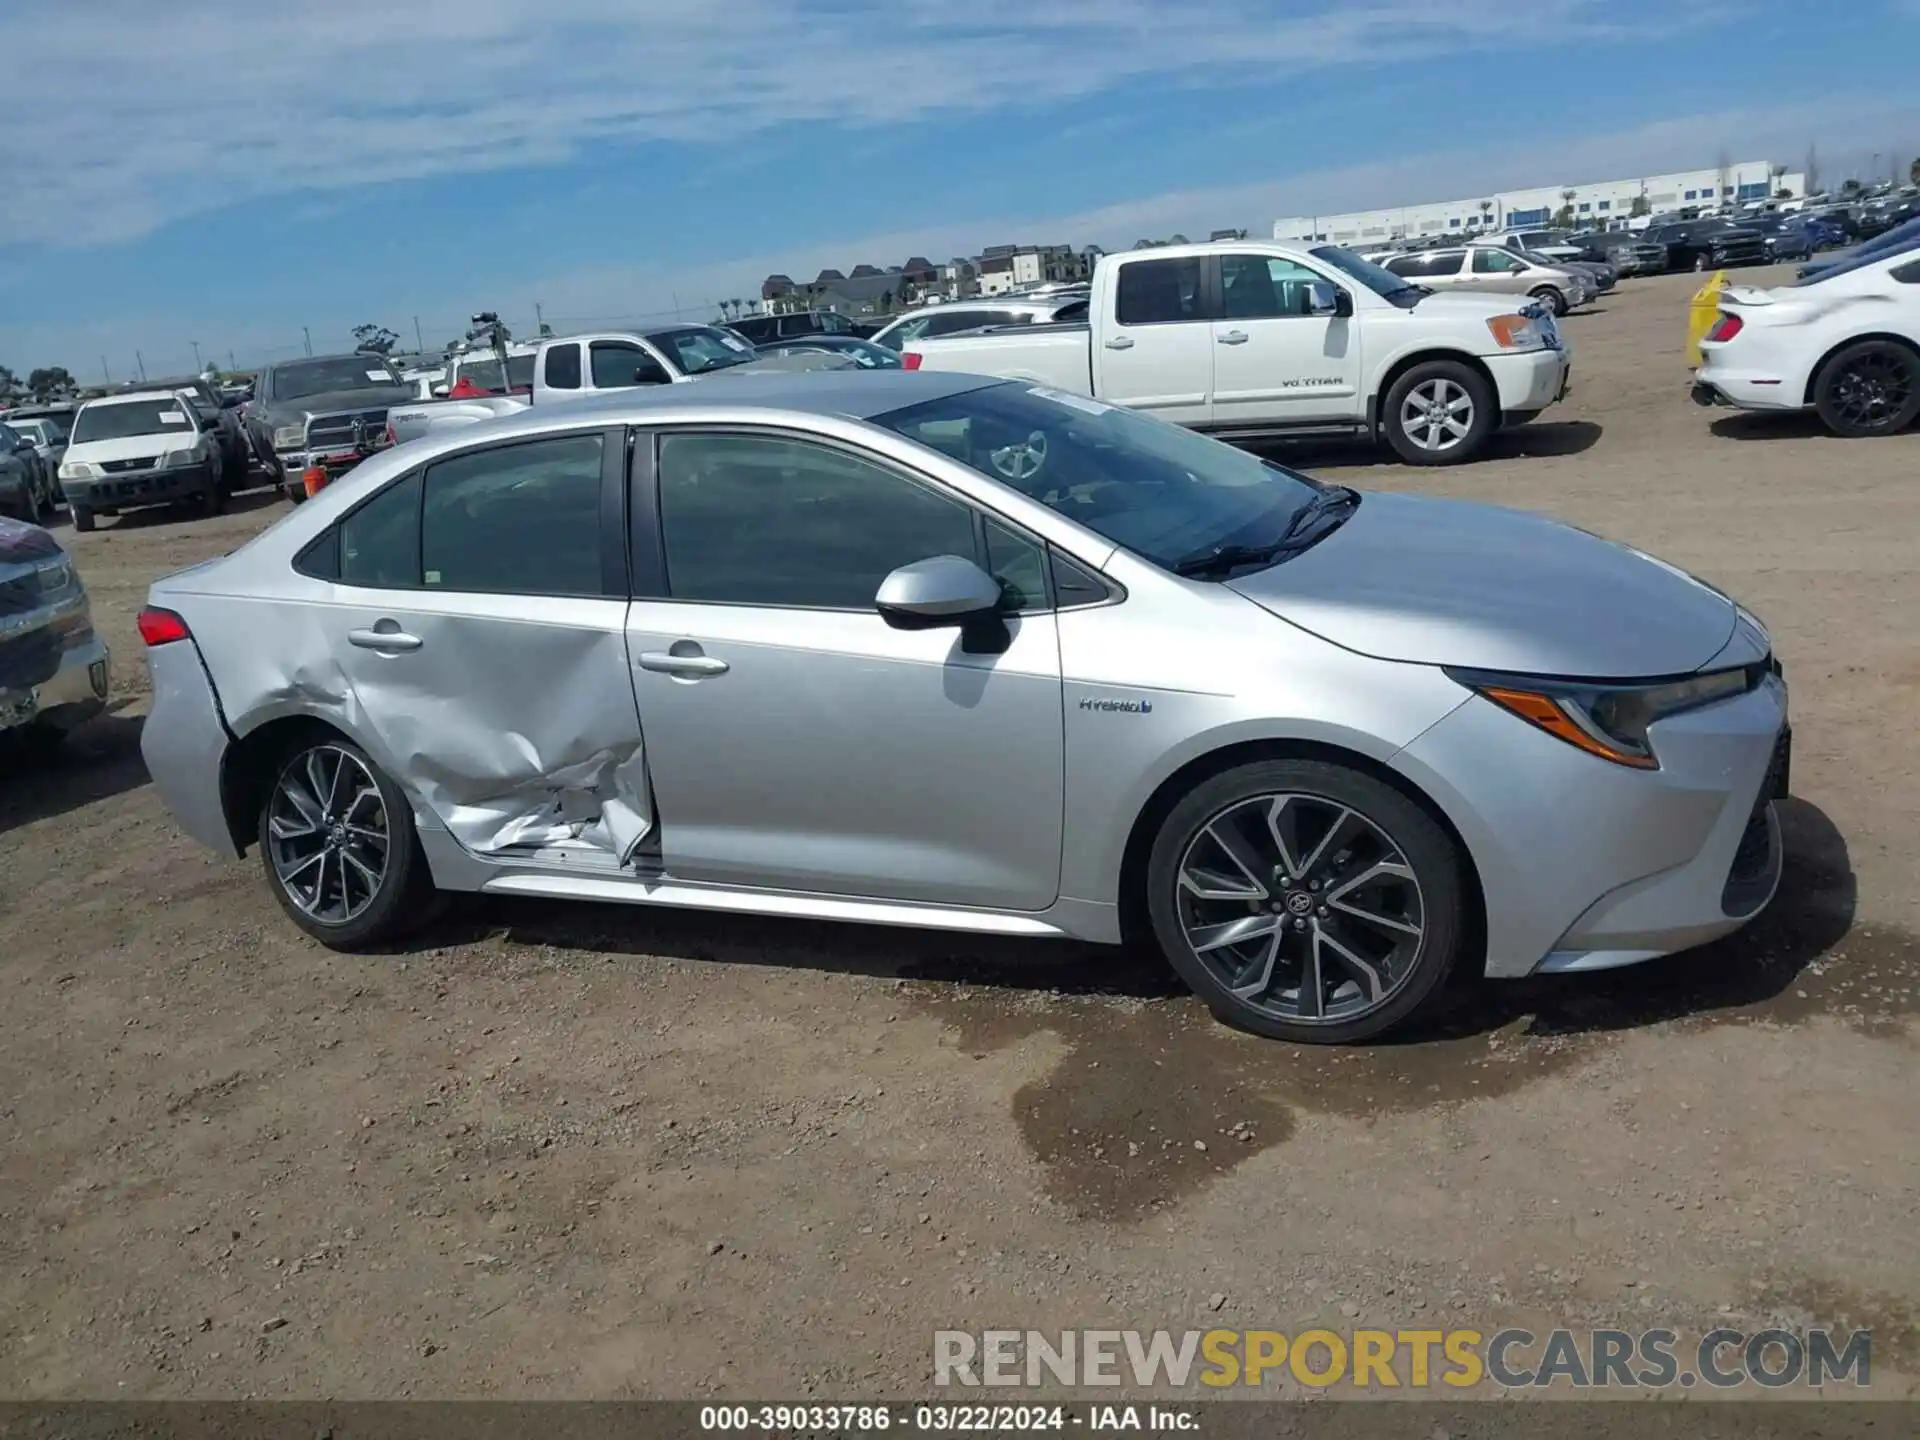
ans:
x=1159 y=292
x=380 y=542
x=515 y=520
x=563 y=367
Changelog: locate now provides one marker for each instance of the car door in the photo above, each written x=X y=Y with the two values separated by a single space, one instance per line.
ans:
x=478 y=619
x=795 y=739
x=1156 y=353
x=1274 y=360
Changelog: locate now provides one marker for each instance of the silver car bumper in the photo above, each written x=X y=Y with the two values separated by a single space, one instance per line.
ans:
x=76 y=692
x=184 y=743
x=1626 y=865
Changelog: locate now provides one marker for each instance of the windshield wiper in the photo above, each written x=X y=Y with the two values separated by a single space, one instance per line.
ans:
x=1221 y=559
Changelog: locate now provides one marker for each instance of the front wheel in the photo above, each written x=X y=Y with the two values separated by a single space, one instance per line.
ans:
x=1701 y=264
x=82 y=517
x=1554 y=299
x=1307 y=901
x=1438 y=413
x=1868 y=389
x=341 y=855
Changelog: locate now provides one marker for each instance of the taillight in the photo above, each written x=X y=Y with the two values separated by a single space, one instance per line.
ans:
x=1726 y=327
x=392 y=439
x=911 y=359
x=161 y=627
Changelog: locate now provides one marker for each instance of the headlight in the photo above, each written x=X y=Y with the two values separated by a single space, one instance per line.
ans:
x=180 y=459
x=77 y=470
x=1610 y=721
x=289 y=437
x=1516 y=332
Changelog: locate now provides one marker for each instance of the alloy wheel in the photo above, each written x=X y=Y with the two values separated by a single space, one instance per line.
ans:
x=1302 y=907
x=328 y=834
x=1873 y=391
x=1437 y=414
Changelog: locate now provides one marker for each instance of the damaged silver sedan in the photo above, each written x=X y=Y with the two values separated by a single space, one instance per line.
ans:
x=948 y=651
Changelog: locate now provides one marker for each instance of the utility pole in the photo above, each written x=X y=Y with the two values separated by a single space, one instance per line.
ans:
x=539 y=319
x=141 y=361
x=308 y=334
x=232 y=364
x=420 y=344
x=104 y=371
x=676 y=304
x=197 y=367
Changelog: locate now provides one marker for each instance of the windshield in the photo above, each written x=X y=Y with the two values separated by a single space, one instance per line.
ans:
x=122 y=418
x=42 y=432
x=323 y=377
x=864 y=353
x=1383 y=282
x=1161 y=491
x=486 y=373
x=698 y=349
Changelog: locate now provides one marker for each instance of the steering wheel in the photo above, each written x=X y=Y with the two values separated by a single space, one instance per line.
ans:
x=1021 y=460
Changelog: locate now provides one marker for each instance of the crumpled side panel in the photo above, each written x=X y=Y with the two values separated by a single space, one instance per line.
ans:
x=513 y=731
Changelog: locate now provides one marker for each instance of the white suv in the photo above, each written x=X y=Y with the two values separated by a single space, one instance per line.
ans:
x=149 y=447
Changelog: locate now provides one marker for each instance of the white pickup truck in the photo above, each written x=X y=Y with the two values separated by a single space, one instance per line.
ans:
x=1252 y=338
x=576 y=365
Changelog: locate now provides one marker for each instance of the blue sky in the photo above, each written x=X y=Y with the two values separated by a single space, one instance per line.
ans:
x=200 y=172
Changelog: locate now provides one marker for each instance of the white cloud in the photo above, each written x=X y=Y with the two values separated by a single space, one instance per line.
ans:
x=123 y=115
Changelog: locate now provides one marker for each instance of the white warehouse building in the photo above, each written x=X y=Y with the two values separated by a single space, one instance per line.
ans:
x=1607 y=203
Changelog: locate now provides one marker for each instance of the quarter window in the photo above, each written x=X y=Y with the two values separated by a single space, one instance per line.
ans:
x=380 y=542
x=765 y=520
x=515 y=520
x=563 y=367
x=1020 y=565
x=1159 y=292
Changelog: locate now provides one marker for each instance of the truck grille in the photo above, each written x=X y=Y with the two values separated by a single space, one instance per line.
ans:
x=326 y=432
x=122 y=467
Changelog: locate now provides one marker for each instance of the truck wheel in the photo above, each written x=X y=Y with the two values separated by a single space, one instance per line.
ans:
x=1872 y=388
x=82 y=517
x=296 y=491
x=1553 y=298
x=1438 y=413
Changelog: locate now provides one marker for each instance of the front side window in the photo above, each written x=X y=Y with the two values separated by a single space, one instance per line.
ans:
x=1494 y=262
x=134 y=417
x=515 y=520
x=1255 y=287
x=767 y=520
x=618 y=365
x=1159 y=292
x=1161 y=491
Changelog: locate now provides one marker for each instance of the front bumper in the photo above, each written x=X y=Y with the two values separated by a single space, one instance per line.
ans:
x=75 y=692
x=334 y=462
x=139 y=487
x=1531 y=381
x=1624 y=865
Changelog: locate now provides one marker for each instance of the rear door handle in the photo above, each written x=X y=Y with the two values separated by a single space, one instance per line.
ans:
x=1234 y=337
x=662 y=663
x=1120 y=342
x=388 y=642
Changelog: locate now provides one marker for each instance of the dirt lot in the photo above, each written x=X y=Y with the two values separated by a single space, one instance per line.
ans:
x=603 y=1151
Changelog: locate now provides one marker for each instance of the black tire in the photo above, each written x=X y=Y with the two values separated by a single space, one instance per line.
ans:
x=82 y=517
x=1426 y=849
x=1554 y=298
x=296 y=491
x=1481 y=418
x=1701 y=264
x=1869 y=389
x=404 y=898
x=213 y=499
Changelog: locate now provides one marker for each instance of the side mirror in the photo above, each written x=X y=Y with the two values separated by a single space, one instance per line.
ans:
x=945 y=590
x=440 y=390
x=23 y=446
x=1327 y=299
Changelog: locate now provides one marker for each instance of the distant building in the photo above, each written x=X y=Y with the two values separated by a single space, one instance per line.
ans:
x=1606 y=204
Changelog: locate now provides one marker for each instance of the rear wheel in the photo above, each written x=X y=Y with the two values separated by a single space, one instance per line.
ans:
x=1439 y=412
x=1872 y=388
x=1306 y=901
x=213 y=499
x=341 y=855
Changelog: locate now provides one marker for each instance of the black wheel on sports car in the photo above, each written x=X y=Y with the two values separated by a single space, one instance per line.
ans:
x=338 y=842
x=1868 y=389
x=1307 y=901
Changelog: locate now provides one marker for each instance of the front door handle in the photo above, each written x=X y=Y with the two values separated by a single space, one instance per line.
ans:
x=391 y=641
x=1120 y=342
x=662 y=663
x=1234 y=337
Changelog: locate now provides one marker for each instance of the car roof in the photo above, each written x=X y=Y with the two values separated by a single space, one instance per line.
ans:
x=855 y=394
x=130 y=397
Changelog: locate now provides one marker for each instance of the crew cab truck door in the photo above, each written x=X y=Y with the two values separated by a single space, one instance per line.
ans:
x=1275 y=362
x=1152 y=338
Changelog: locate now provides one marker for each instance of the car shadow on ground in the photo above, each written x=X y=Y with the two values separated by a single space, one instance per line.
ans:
x=187 y=513
x=1812 y=912
x=98 y=760
x=1755 y=425
x=1541 y=438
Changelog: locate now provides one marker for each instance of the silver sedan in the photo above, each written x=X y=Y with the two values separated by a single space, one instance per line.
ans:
x=936 y=650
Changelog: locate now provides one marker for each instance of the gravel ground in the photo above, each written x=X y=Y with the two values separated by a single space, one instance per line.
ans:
x=585 y=1151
